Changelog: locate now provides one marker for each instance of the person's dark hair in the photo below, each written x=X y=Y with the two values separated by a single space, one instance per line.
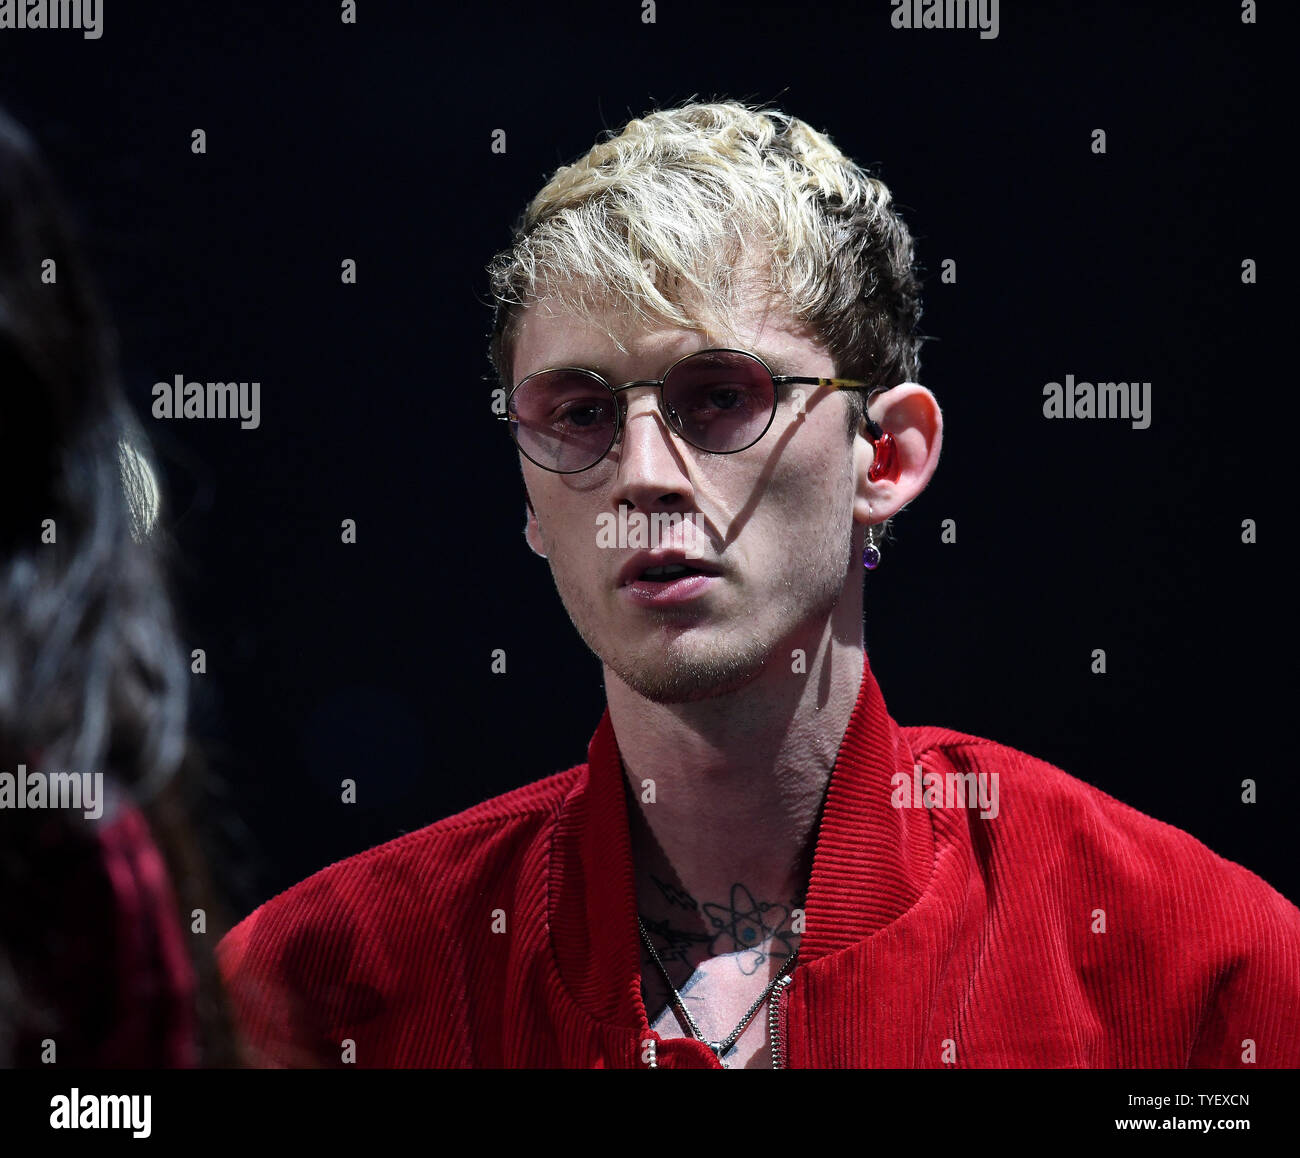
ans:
x=92 y=675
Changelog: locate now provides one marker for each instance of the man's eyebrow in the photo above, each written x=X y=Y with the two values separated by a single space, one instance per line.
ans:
x=779 y=364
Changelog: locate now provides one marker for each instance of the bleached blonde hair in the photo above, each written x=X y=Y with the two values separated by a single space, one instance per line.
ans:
x=684 y=205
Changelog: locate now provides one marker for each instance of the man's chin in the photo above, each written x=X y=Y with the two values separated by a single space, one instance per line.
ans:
x=668 y=679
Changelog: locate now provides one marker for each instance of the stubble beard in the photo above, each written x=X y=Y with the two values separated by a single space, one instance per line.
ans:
x=713 y=661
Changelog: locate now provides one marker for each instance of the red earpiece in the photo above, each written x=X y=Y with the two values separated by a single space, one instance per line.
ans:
x=885 y=464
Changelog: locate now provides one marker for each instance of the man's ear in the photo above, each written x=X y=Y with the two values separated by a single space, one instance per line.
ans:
x=911 y=414
x=532 y=529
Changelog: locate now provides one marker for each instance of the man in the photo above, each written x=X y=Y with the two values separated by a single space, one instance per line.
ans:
x=707 y=330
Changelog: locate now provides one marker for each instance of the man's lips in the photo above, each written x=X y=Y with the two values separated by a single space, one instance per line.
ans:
x=635 y=567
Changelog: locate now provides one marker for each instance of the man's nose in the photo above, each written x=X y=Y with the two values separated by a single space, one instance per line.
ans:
x=651 y=459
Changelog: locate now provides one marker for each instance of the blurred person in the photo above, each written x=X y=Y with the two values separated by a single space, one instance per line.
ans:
x=96 y=953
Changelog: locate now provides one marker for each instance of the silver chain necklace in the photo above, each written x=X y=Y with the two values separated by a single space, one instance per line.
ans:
x=724 y=1046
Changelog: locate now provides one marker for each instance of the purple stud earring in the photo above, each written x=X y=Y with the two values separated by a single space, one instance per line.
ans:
x=871 y=555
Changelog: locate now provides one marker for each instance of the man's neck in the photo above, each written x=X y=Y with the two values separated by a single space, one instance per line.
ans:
x=725 y=793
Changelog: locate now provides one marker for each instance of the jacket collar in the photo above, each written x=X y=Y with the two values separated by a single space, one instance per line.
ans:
x=871 y=863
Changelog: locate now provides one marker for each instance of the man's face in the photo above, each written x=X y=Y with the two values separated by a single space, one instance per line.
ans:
x=776 y=519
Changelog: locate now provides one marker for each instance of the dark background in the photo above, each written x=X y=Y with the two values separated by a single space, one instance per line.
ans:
x=372 y=142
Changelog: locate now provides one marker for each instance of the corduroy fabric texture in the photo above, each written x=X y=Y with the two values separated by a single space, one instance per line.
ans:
x=1069 y=930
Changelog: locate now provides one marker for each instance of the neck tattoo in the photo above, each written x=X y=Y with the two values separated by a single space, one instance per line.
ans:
x=750 y=932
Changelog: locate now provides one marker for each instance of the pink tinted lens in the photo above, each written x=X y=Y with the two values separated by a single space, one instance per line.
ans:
x=720 y=400
x=563 y=420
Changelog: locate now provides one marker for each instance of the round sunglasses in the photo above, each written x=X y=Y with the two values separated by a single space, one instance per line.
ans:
x=567 y=419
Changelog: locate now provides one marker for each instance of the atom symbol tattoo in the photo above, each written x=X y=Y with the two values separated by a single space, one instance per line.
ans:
x=748 y=924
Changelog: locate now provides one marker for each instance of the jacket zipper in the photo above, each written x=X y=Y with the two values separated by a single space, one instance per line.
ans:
x=775 y=1026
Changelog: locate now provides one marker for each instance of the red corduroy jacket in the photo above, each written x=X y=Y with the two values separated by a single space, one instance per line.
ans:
x=1067 y=930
